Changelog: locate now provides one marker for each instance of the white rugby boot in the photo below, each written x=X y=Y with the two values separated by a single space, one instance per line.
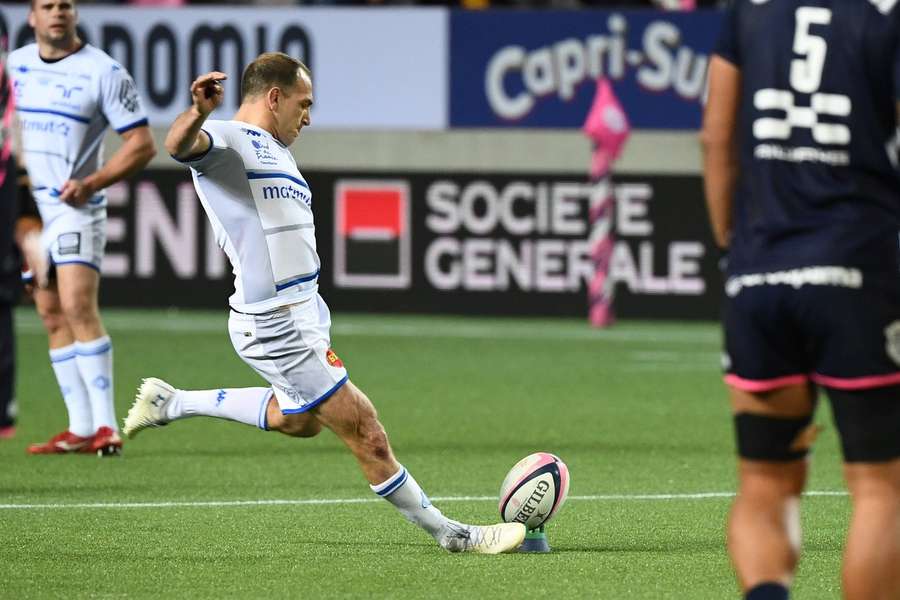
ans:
x=149 y=408
x=482 y=539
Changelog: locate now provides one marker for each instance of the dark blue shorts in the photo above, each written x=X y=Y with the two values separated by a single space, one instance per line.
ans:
x=834 y=326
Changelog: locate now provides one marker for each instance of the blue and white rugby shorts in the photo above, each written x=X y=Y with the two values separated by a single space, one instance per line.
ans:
x=291 y=349
x=76 y=236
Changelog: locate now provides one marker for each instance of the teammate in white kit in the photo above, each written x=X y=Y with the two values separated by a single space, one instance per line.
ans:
x=67 y=94
x=259 y=206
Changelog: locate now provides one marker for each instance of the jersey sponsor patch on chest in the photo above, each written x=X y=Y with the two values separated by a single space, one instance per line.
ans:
x=282 y=199
x=261 y=147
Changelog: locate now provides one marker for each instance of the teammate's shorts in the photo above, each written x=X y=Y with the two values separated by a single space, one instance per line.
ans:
x=290 y=348
x=76 y=236
x=834 y=326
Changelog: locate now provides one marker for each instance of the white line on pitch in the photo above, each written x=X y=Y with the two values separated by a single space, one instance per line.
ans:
x=333 y=501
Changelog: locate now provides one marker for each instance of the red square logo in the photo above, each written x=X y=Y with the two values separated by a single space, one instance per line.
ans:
x=372 y=234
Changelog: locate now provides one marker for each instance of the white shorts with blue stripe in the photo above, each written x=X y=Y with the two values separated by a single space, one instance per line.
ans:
x=290 y=348
x=76 y=236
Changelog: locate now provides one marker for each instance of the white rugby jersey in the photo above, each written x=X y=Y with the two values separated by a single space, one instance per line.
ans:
x=259 y=206
x=64 y=107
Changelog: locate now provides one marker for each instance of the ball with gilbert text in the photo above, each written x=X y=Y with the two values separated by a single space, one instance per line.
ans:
x=534 y=490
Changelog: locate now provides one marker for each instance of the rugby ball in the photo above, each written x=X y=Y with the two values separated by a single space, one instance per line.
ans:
x=534 y=490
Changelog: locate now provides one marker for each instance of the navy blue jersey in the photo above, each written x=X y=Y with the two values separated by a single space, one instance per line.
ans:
x=819 y=181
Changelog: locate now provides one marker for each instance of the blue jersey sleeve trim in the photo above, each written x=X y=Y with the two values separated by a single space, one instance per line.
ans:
x=275 y=175
x=130 y=126
x=57 y=113
x=200 y=156
x=319 y=400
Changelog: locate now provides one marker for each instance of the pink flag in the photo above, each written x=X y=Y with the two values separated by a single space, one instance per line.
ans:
x=607 y=126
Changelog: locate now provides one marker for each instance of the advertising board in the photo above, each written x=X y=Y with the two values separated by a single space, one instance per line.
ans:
x=360 y=81
x=538 y=68
x=497 y=244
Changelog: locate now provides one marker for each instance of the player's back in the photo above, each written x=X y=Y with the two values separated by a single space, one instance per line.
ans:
x=819 y=181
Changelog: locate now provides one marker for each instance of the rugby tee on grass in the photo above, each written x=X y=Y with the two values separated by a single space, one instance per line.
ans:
x=259 y=206
x=64 y=107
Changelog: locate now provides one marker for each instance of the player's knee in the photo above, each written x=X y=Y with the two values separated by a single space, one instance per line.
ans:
x=53 y=319
x=79 y=308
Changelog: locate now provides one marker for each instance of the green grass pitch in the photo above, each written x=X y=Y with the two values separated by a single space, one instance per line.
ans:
x=637 y=412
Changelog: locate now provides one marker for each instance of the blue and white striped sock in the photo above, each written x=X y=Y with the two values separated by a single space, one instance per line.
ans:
x=95 y=363
x=74 y=394
x=402 y=490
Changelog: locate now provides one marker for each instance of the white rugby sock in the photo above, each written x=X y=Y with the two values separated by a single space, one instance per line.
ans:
x=95 y=360
x=403 y=491
x=73 y=391
x=244 y=405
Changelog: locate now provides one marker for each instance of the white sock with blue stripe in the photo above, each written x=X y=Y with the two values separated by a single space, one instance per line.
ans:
x=402 y=490
x=73 y=391
x=95 y=360
x=244 y=405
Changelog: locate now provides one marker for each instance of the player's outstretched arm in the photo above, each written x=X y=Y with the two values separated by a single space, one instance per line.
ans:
x=184 y=139
x=720 y=152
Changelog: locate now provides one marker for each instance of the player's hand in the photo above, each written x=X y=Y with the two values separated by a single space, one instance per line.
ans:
x=76 y=192
x=207 y=92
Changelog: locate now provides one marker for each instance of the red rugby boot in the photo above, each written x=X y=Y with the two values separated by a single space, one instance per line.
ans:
x=61 y=443
x=106 y=442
